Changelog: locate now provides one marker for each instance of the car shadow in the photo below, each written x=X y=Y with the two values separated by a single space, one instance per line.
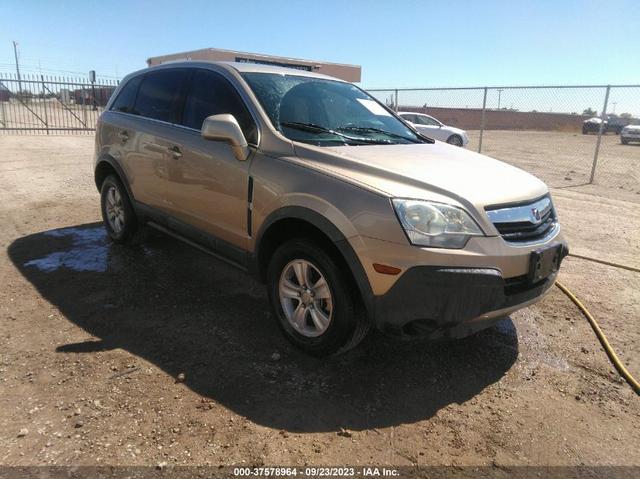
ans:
x=189 y=313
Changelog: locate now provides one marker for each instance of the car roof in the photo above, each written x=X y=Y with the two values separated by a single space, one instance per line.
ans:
x=244 y=68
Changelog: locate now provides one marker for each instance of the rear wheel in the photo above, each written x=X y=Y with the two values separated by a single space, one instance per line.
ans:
x=117 y=213
x=455 y=140
x=312 y=299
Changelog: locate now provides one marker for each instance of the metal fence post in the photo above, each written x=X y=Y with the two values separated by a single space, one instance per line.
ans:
x=484 y=110
x=600 y=131
x=396 y=99
x=44 y=104
x=4 y=115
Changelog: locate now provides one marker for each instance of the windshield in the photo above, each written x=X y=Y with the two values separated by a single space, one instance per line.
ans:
x=326 y=112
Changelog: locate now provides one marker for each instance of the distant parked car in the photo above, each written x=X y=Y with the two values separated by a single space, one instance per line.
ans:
x=612 y=123
x=630 y=133
x=435 y=129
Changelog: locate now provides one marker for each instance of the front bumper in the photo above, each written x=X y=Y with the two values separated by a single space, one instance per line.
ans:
x=439 y=302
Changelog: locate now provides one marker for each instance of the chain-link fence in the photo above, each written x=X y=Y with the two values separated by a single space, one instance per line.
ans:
x=567 y=136
x=41 y=104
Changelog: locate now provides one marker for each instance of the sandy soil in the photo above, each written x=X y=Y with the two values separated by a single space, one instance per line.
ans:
x=565 y=159
x=95 y=335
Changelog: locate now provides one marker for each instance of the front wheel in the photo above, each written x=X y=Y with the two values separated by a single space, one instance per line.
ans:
x=624 y=141
x=312 y=299
x=455 y=140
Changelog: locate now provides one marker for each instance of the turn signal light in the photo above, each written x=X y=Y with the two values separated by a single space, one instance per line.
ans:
x=386 y=269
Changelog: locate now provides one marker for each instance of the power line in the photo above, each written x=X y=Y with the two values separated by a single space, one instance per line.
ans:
x=15 y=54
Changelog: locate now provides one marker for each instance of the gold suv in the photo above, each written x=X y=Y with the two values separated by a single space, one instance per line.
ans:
x=350 y=216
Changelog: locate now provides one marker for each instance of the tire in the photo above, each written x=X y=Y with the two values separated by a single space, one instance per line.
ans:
x=121 y=224
x=455 y=140
x=585 y=130
x=624 y=141
x=346 y=327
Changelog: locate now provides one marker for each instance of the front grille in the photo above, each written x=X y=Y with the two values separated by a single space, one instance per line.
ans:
x=524 y=222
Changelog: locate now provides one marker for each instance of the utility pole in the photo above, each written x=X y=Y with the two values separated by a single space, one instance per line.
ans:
x=15 y=54
x=499 y=96
x=614 y=103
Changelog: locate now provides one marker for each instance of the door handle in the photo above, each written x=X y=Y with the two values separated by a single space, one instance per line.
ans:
x=124 y=135
x=175 y=152
x=147 y=145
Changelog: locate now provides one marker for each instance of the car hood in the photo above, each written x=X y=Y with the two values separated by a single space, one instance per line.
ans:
x=435 y=171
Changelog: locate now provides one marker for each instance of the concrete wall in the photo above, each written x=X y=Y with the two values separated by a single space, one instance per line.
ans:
x=351 y=73
x=471 y=118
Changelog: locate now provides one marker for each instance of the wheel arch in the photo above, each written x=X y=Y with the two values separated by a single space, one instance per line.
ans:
x=295 y=221
x=107 y=165
x=456 y=134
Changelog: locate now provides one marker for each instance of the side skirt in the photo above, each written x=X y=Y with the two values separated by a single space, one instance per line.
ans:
x=200 y=240
x=196 y=245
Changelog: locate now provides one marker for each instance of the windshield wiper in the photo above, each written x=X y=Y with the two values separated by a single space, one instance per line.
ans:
x=312 y=127
x=376 y=130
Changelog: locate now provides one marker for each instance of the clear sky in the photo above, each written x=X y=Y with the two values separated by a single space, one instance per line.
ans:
x=398 y=43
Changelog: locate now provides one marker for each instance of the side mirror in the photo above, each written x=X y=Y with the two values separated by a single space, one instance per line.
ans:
x=224 y=127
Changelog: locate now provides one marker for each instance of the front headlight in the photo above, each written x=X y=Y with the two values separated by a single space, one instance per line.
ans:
x=435 y=224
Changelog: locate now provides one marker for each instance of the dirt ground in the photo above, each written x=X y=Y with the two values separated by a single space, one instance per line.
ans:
x=564 y=160
x=93 y=337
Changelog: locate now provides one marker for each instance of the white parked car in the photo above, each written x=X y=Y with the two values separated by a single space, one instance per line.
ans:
x=630 y=133
x=429 y=126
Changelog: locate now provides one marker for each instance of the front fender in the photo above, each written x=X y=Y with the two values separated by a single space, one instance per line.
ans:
x=334 y=233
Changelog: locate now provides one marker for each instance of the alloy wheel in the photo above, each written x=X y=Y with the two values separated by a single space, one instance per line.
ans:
x=115 y=209
x=305 y=297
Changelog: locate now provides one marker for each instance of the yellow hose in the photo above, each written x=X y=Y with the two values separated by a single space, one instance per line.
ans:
x=613 y=357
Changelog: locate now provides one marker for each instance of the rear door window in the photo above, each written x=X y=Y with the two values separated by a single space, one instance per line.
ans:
x=425 y=120
x=127 y=96
x=211 y=94
x=161 y=93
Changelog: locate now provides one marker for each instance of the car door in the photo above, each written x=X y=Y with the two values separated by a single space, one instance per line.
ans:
x=430 y=127
x=208 y=186
x=151 y=134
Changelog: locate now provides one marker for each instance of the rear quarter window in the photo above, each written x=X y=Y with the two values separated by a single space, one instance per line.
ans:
x=127 y=96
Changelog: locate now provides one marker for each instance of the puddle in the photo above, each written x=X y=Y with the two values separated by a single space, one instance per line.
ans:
x=506 y=328
x=534 y=342
x=88 y=251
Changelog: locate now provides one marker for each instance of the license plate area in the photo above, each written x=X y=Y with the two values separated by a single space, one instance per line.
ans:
x=544 y=262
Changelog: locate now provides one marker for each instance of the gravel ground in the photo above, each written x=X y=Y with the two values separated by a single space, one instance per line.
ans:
x=160 y=354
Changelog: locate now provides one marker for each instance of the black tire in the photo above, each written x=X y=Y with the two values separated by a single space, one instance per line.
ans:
x=348 y=325
x=455 y=140
x=624 y=141
x=585 y=130
x=130 y=231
